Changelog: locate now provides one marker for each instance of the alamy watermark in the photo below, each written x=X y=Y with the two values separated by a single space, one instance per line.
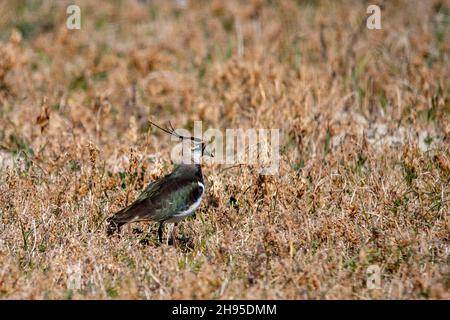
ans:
x=74 y=277
x=258 y=147
x=73 y=21
x=374 y=20
x=373 y=273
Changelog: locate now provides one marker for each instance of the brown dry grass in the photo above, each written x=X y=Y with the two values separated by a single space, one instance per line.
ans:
x=364 y=175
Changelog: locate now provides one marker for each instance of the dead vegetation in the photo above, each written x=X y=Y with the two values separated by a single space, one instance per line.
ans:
x=364 y=172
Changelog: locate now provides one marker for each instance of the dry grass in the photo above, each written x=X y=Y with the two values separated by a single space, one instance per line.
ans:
x=364 y=175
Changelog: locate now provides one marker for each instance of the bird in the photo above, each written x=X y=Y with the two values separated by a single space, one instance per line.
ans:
x=169 y=199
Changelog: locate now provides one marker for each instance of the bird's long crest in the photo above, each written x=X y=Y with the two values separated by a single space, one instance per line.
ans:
x=172 y=132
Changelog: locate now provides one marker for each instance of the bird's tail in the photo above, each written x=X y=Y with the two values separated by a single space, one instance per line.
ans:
x=117 y=220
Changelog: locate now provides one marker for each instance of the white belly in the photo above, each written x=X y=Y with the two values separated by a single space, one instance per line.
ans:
x=183 y=214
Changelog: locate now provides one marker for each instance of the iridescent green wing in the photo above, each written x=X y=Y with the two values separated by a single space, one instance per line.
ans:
x=151 y=189
x=175 y=198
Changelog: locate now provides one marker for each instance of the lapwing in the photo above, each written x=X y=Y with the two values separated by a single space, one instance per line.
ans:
x=170 y=199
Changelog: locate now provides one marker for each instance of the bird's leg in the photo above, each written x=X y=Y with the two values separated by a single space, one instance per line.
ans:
x=173 y=235
x=160 y=232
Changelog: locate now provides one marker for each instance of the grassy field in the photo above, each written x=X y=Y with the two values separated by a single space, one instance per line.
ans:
x=364 y=119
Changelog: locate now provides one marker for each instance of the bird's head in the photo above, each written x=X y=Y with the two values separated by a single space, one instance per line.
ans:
x=199 y=146
x=200 y=149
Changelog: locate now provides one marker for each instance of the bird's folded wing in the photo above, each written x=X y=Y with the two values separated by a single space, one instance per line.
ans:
x=160 y=201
